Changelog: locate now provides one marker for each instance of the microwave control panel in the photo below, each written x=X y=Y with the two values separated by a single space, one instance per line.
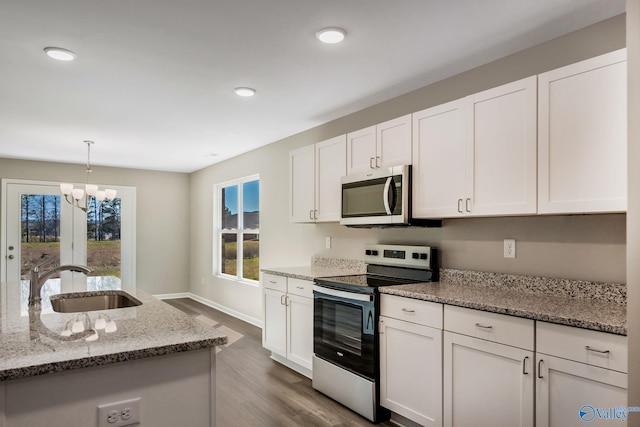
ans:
x=399 y=255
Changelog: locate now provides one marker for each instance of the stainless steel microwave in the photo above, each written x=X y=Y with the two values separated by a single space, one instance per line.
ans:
x=378 y=197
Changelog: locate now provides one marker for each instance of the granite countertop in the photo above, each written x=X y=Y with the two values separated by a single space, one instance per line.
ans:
x=309 y=272
x=585 y=313
x=31 y=342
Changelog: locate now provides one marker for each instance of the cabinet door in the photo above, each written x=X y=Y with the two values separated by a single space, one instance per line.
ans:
x=393 y=142
x=570 y=393
x=274 y=330
x=582 y=136
x=300 y=330
x=411 y=370
x=486 y=384
x=302 y=184
x=361 y=150
x=439 y=166
x=501 y=150
x=331 y=165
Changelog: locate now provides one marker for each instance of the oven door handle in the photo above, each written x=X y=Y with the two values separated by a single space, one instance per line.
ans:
x=342 y=294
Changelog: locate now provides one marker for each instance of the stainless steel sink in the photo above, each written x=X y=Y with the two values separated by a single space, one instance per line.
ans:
x=78 y=302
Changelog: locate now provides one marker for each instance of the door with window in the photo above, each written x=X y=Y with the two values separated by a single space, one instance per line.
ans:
x=41 y=227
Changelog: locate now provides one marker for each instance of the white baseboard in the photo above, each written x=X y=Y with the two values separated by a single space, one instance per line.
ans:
x=173 y=296
x=227 y=310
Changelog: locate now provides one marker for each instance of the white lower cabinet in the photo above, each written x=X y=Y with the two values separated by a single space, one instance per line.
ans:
x=487 y=383
x=411 y=359
x=288 y=321
x=575 y=382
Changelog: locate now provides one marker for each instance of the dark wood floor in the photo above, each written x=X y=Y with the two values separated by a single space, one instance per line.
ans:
x=253 y=390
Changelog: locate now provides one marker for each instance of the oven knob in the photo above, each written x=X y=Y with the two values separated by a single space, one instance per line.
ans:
x=415 y=255
x=374 y=252
x=423 y=256
x=367 y=252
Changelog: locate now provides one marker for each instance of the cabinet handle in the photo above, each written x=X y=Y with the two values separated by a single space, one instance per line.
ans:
x=586 y=347
x=377 y=164
x=315 y=214
x=311 y=214
x=281 y=300
x=300 y=287
x=371 y=163
x=286 y=301
x=406 y=310
x=524 y=366
x=478 y=325
x=460 y=206
x=272 y=282
x=466 y=205
x=540 y=368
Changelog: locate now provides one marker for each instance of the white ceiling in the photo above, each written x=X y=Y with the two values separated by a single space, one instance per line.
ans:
x=153 y=81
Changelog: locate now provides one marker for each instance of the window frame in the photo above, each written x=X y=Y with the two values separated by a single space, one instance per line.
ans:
x=239 y=232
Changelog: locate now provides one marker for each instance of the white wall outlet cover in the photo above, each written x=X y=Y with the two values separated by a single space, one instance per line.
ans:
x=509 y=248
x=327 y=242
x=119 y=414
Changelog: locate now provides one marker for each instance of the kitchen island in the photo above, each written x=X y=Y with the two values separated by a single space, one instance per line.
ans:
x=151 y=352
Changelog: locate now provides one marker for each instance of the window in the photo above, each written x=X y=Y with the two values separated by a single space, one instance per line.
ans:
x=239 y=229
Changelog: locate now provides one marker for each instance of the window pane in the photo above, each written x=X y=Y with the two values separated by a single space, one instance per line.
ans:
x=229 y=253
x=40 y=222
x=251 y=256
x=104 y=222
x=251 y=204
x=230 y=207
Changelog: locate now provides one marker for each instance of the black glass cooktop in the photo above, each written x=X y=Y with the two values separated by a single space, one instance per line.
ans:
x=361 y=282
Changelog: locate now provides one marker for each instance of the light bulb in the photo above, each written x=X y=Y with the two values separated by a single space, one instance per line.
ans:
x=66 y=189
x=78 y=193
x=110 y=193
x=100 y=195
x=66 y=333
x=331 y=35
x=101 y=323
x=93 y=337
x=77 y=326
x=60 y=53
x=110 y=327
x=91 y=189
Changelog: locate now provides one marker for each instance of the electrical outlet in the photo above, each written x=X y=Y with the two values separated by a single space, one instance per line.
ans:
x=327 y=242
x=119 y=414
x=509 y=248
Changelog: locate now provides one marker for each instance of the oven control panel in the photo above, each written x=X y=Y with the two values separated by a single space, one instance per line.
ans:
x=400 y=255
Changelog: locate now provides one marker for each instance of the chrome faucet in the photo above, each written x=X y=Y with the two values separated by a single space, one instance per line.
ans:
x=38 y=279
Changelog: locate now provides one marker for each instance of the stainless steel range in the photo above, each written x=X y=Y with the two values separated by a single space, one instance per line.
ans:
x=346 y=309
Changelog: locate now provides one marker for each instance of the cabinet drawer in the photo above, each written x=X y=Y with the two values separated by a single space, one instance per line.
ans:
x=500 y=328
x=582 y=345
x=271 y=281
x=411 y=310
x=303 y=288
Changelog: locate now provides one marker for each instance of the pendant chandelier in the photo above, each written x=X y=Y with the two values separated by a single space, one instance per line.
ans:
x=76 y=196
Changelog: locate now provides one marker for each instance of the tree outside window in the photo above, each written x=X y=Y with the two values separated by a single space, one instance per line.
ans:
x=239 y=229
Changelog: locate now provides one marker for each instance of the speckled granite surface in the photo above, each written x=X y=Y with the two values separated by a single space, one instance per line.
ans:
x=600 y=307
x=31 y=344
x=321 y=267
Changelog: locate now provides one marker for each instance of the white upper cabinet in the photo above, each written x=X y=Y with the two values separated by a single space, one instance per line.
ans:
x=582 y=136
x=439 y=160
x=477 y=155
x=302 y=184
x=384 y=145
x=330 y=167
x=501 y=150
x=314 y=181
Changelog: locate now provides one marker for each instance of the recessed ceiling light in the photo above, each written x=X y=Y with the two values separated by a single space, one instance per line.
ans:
x=245 y=91
x=331 y=35
x=60 y=53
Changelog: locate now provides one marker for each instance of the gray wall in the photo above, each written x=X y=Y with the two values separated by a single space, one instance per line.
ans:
x=162 y=217
x=589 y=247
